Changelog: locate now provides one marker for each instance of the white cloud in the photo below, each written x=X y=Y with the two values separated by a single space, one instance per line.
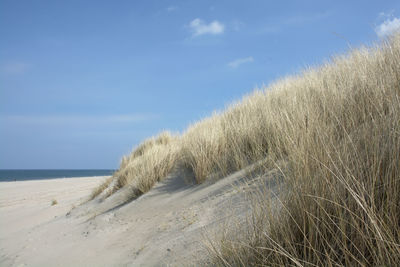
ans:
x=236 y=63
x=14 y=68
x=388 y=26
x=199 y=27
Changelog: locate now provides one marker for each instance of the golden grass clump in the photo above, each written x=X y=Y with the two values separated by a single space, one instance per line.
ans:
x=150 y=162
x=163 y=138
x=103 y=186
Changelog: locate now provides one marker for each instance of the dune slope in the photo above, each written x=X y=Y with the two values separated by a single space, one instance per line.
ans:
x=165 y=226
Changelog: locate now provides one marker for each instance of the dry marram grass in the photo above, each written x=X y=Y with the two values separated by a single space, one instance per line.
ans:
x=336 y=129
x=150 y=162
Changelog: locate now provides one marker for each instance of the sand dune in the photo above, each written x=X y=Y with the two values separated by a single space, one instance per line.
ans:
x=165 y=226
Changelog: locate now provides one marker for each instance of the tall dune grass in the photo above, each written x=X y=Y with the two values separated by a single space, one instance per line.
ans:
x=336 y=128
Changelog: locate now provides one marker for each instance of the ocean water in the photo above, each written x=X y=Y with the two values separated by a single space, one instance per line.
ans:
x=23 y=175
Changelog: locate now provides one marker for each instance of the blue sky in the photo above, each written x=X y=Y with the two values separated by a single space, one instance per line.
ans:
x=83 y=82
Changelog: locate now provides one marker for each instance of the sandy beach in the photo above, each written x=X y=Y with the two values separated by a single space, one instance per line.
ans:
x=29 y=219
x=167 y=225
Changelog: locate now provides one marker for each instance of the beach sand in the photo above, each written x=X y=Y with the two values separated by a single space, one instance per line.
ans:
x=26 y=212
x=167 y=225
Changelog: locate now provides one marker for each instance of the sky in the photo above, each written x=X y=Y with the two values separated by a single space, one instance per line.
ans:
x=83 y=82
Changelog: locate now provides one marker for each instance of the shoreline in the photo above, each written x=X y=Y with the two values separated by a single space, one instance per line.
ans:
x=9 y=180
x=12 y=175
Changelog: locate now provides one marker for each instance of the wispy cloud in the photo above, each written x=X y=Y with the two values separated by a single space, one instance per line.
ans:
x=172 y=8
x=237 y=25
x=77 y=119
x=236 y=63
x=14 y=68
x=295 y=20
x=199 y=27
x=389 y=25
x=284 y=22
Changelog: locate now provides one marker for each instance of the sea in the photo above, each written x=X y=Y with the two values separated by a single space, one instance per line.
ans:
x=24 y=175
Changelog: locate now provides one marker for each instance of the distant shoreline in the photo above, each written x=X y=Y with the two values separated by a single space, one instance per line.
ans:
x=55 y=178
x=29 y=175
